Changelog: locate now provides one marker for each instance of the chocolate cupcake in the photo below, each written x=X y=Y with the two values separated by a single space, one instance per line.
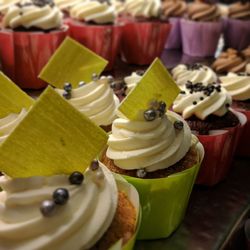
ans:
x=195 y=73
x=201 y=31
x=237 y=25
x=32 y=32
x=173 y=11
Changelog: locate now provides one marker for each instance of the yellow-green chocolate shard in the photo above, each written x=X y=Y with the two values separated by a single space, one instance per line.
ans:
x=53 y=138
x=155 y=85
x=12 y=98
x=72 y=62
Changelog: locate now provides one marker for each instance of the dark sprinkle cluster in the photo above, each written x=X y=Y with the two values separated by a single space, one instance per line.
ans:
x=119 y=87
x=243 y=74
x=140 y=72
x=157 y=109
x=38 y=3
x=195 y=66
x=60 y=196
x=67 y=90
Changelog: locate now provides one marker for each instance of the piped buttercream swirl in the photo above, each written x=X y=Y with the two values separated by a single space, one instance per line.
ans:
x=77 y=225
x=147 y=145
x=96 y=100
x=173 y=8
x=239 y=10
x=131 y=81
x=5 y=4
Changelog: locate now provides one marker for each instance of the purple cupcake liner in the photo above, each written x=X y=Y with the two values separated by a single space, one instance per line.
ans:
x=174 y=39
x=200 y=39
x=236 y=33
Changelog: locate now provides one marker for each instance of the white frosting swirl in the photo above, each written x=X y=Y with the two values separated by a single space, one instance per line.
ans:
x=238 y=86
x=93 y=11
x=96 y=100
x=5 y=4
x=151 y=145
x=66 y=4
x=118 y=6
x=182 y=73
x=79 y=224
x=131 y=81
x=8 y=124
x=143 y=8
x=215 y=104
x=32 y=16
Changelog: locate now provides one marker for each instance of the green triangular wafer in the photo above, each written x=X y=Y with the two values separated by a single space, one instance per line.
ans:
x=53 y=138
x=72 y=62
x=12 y=98
x=155 y=85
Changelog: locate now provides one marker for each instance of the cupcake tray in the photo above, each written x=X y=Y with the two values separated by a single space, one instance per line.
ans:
x=216 y=216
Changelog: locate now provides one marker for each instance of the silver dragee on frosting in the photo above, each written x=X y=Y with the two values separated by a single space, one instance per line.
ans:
x=194 y=73
x=77 y=225
x=150 y=145
x=143 y=8
x=200 y=104
x=238 y=86
x=96 y=100
x=93 y=11
x=29 y=15
x=8 y=124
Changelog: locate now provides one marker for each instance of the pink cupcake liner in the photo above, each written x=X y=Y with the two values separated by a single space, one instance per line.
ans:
x=236 y=33
x=104 y=40
x=174 y=39
x=200 y=38
x=23 y=54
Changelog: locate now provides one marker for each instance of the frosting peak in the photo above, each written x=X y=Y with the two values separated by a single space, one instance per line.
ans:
x=239 y=10
x=173 y=8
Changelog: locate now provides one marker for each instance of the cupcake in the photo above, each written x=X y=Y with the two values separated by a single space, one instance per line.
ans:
x=206 y=109
x=151 y=156
x=231 y=61
x=174 y=10
x=29 y=28
x=62 y=208
x=96 y=100
x=238 y=86
x=201 y=31
x=195 y=73
x=144 y=36
x=93 y=25
x=237 y=25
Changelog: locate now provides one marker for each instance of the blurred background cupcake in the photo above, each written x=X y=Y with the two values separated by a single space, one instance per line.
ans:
x=32 y=32
x=173 y=11
x=237 y=25
x=93 y=25
x=202 y=30
x=4 y=5
x=144 y=36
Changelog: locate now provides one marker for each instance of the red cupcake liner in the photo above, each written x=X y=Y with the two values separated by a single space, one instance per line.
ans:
x=104 y=40
x=236 y=33
x=23 y=54
x=174 y=39
x=243 y=148
x=220 y=147
x=200 y=38
x=142 y=42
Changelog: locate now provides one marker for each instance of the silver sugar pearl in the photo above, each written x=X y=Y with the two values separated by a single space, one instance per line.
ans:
x=110 y=79
x=95 y=77
x=82 y=83
x=150 y=115
x=141 y=173
x=48 y=208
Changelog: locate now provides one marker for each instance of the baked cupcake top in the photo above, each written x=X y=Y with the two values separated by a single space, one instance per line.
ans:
x=95 y=99
x=93 y=11
x=79 y=224
x=173 y=8
x=66 y=4
x=239 y=10
x=202 y=11
x=149 y=145
x=5 y=4
x=237 y=85
x=39 y=14
x=194 y=73
x=143 y=8
x=201 y=101
x=230 y=61
x=8 y=124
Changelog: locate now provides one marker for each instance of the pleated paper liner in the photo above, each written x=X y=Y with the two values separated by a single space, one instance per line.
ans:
x=142 y=42
x=220 y=147
x=174 y=39
x=23 y=54
x=200 y=38
x=101 y=39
